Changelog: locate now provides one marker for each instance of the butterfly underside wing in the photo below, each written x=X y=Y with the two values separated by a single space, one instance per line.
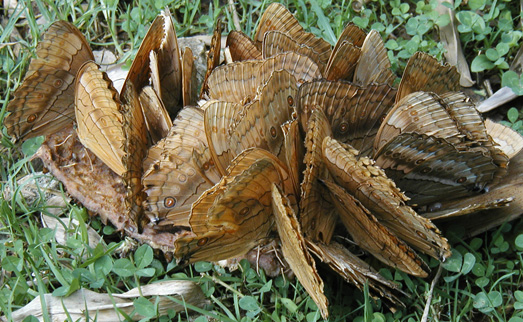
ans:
x=508 y=140
x=232 y=217
x=242 y=47
x=369 y=234
x=300 y=66
x=188 y=78
x=293 y=151
x=346 y=53
x=99 y=116
x=317 y=215
x=295 y=249
x=235 y=82
x=156 y=117
x=378 y=194
x=277 y=17
x=44 y=102
x=424 y=73
x=374 y=64
x=213 y=57
x=354 y=113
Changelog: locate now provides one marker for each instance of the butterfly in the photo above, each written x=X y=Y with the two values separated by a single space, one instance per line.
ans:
x=44 y=102
x=242 y=47
x=345 y=55
x=213 y=57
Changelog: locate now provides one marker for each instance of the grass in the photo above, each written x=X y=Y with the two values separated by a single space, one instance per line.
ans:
x=479 y=283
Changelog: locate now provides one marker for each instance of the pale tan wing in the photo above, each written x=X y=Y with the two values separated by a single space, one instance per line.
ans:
x=161 y=39
x=372 y=236
x=188 y=78
x=135 y=148
x=99 y=116
x=213 y=57
x=355 y=270
x=233 y=217
x=235 y=82
x=430 y=169
x=343 y=62
x=156 y=117
x=374 y=64
x=242 y=47
x=354 y=113
x=424 y=73
x=300 y=66
x=317 y=215
x=278 y=42
x=217 y=122
x=294 y=151
x=295 y=249
x=508 y=140
x=376 y=192
x=44 y=102
x=277 y=17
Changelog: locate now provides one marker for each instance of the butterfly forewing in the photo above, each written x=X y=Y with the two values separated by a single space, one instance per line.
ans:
x=44 y=102
x=374 y=64
x=295 y=249
x=301 y=67
x=213 y=57
x=99 y=116
x=242 y=47
x=157 y=118
x=508 y=140
x=235 y=82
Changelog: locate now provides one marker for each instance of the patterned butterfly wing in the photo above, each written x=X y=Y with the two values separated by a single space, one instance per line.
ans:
x=277 y=17
x=379 y=194
x=374 y=64
x=369 y=234
x=99 y=116
x=44 y=103
x=343 y=62
x=301 y=67
x=295 y=249
x=233 y=217
x=277 y=42
x=430 y=169
x=317 y=214
x=188 y=78
x=235 y=82
x=294 y=151
x=157 y=118
x=424 y=73
x=242 y=47
x=217 y=122
x=352 y=34
x=213 y=57
x=355 y=270
x=354 y=113
x=508 y=140
x=161 y=40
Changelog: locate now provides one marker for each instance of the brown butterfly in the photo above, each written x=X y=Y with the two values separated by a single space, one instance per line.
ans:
x=374 y=64
x=379 y=194
x=424 y=73
x=188 y=77
x=44 y=103
x=213 y=57
x=317 y=214
x=242 y=47
x=235 y=82
x=346 y=53
x=295 y=249
x=277 y=17
x=354 y=113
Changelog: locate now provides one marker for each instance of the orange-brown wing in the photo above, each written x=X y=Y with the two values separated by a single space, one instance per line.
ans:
x=317 y=215
x=235 y=82
x=44 y=103
x=156 y=117
x=161 y=40
x=242 y=47
x=188 y=81
x=295 y=249
x=369 y=234
x=99 y=116
x=354 y=113
x=343 y=62
x=374 y=64
x=424 y=73
x=352 y=34
x=217 y=122
x=379 y=194
x=135 y=149
x=300 y=66
x=213 y=56
x=277 y=42
x=277 y=17
x=233 y=217
x=294 y=151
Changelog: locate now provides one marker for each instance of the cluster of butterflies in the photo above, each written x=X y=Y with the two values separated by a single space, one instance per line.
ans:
x=292 y=136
